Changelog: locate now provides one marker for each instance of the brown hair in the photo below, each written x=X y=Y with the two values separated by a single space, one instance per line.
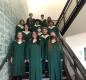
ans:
x=16 y=37
x=49 y=43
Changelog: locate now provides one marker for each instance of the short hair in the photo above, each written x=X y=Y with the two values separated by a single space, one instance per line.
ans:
x=30 y=14
x=42 y=14
x=45 y=28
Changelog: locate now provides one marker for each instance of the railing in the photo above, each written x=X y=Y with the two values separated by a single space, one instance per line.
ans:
x=75 y=69
x=69 y=13
x=3 y=62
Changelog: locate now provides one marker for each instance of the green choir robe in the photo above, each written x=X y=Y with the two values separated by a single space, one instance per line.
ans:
x=54 y=29
x=18 y=56
x=31 y=22
x=54 y=61
x=43 y=23
x=27 y=35
x=19 y=28
x=45 y=39
x=34 y=56
x=36 y=27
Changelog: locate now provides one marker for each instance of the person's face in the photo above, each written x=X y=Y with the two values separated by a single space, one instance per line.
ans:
x=39 y=30
x=49 y=18
x=30 y=15
x=45 y=31
x=42 y=17
x=34 y=35
x=51 y=24
x=26 y=27
x=52 y=35
x=22 y=22
x=37 y=22
x=20 y=35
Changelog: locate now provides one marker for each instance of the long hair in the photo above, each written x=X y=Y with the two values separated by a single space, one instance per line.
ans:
x=22 y=20
x=50 y=44
x=16 y=36
x=38 y=39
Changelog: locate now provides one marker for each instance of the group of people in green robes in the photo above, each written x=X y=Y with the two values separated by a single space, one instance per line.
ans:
x=36 y=42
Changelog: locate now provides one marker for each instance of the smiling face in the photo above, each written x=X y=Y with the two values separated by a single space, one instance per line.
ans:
x=45 y=31
x=26 y=27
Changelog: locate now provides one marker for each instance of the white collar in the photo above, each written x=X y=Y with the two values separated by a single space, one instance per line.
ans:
x=37 y=25
x=53 y=41
x=45 y=36
x=42 y=19
x=39 y=33
x=26 y=32
x=19 y=42
x=51 y=27
x=21 y=26
x=34 y=40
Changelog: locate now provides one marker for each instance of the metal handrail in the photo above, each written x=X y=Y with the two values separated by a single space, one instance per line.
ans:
x=3 y=62
x=65 y=8
x=71 y=17
x=74 y=58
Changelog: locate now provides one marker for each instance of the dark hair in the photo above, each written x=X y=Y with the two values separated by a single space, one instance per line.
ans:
x=37 y=20
x=21 y=21
x=51 y=22
x=30 y=14
x=49 y=42
x=27 y=26
x=45 y=28
x=42 y=14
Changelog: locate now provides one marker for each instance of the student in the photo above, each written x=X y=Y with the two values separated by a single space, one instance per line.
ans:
x=26 y=32
x=30 y=20
x=17 y=57
x=39 y=31
x=45 y=39
x=43 y=21
x=53 y=28
x=20 y=26
x=34 y=56
x=54 y=57
x=48 y=20
x=37 y=25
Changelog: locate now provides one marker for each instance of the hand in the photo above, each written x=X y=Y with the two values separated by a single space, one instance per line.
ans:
x=9 y=61
x=46 y=60
x=26 y=60
x=61 y=60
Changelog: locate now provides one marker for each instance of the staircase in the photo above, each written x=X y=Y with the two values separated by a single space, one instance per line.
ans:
x=70 y=61
x=45 y=76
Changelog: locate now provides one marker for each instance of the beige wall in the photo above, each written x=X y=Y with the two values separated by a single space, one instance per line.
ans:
x=51 y=8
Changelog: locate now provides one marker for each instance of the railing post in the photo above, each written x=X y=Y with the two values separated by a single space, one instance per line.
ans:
x=75 y=70
x=64 y=18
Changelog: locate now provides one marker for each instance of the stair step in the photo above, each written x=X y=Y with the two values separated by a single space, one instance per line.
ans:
x=42 y=79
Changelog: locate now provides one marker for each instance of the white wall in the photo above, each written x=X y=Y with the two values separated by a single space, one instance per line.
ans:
x=78 y=43
x=11 y=11
x=51 y=8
